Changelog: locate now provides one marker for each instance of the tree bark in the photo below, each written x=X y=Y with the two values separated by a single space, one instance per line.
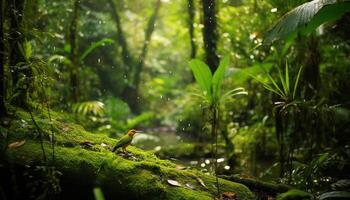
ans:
x=191 y=15
x=312 y=68
x=16 y=57
x=2 y=63
x=74 y=72
x=210 y=34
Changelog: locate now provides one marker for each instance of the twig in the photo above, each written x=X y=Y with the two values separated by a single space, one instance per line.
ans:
x=40 y=134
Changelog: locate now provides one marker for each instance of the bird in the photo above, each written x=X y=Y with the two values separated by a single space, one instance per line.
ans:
x=126 y=140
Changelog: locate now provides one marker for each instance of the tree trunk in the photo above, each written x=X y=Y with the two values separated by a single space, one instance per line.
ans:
x=16 y=57
x=191 y=15
x=74 y=72
x=2 y=63
x=210 y=34
x=148 y=35
x=312 y=68
x=126 y=56
x=131 y=91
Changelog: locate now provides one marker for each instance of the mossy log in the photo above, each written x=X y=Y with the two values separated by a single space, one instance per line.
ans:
x=139 y=175
x=257 y=185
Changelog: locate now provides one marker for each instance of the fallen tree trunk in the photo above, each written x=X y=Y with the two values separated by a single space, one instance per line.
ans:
x=86 y=162
x=257 y=185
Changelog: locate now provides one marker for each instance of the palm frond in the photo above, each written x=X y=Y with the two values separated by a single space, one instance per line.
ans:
x=89 y=107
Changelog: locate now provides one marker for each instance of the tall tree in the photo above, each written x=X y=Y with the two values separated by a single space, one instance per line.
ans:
x=74 y=71
x=210 y=36
x=2 y=62
x=191 y=15
x=135 y=65
x=16 y=56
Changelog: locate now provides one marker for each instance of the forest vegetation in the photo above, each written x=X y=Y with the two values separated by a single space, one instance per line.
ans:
x=236 y=99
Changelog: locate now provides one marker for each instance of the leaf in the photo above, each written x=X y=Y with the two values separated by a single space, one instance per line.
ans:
x=16 y=144
x=241 y=75
x=335 y=195
x=180 y=167
x=98 y=194
x=200 y=181
x=343 y=184
x=189 y=185
x=219 y=77
x=229 y=195
x=61 y=59
x=297 y=82
x=174 y=183
x=95 y=45
x=96 y=108
x=203 y=75
x=306 y=18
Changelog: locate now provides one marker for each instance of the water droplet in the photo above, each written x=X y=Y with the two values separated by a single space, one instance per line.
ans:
x=220 y=160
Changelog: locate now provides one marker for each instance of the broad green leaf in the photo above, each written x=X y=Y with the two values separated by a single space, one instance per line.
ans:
x=203 y=75
x=95 y=45
x=335 y=195
x=219 y=76
x=306 y=18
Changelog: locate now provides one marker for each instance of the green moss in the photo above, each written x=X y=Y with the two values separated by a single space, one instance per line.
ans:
x=294 y=194
x=141 y=175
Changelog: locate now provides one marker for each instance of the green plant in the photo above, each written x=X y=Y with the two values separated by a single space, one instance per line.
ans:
x=285 y=107
x=211 y=95
x=286 y=89
x=67 y=61
x=89 y=108
x=307 y=17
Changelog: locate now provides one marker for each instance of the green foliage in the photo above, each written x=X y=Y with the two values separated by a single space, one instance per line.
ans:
x=96 y=108
x=286 y=89
x=203 y=76
x=94 y=46
x=117 y=109
x=211 y=85
x=144 y=117
x=307 y=17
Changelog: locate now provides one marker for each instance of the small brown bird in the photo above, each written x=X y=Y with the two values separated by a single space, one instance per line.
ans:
x=126 y=140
